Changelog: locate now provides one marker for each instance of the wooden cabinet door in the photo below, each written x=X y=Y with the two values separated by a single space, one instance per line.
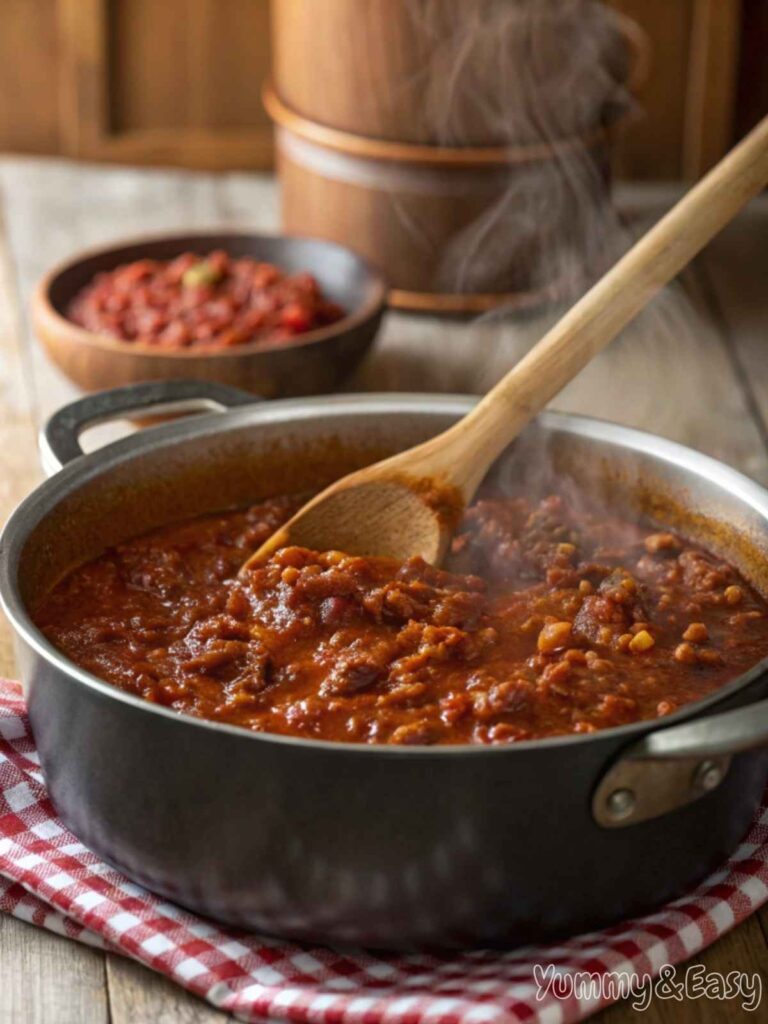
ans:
x=686 y=113
x=179 y=81
x=176 y=82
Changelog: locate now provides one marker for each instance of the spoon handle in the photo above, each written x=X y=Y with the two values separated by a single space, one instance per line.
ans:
x=596 y=319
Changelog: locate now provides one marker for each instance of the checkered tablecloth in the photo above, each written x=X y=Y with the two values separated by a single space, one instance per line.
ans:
x=49 y=878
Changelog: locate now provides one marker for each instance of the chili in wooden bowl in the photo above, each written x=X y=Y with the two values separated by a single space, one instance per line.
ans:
x=280 y=316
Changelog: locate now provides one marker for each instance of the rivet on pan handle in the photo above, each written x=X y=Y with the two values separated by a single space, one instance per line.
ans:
x=673 y=767
x=60 y=438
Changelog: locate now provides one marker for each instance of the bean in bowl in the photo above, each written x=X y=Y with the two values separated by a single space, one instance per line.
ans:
x=197 y=302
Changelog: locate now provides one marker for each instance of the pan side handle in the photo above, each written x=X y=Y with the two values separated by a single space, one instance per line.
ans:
x=672 y=767
x=60 y=437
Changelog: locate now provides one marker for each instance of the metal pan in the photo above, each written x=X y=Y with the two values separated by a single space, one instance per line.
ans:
x=384 y=847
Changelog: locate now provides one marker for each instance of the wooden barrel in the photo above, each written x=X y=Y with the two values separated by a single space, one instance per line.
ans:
x=463 y=148
x=440 y=72
x=452 y=229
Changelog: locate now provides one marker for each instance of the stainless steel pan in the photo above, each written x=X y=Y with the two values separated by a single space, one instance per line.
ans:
x=386 y=847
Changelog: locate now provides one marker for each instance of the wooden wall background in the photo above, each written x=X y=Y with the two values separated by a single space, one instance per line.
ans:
x=178 y=81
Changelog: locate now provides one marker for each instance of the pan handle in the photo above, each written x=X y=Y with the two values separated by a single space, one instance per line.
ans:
x=672 y=767
x=60 y=437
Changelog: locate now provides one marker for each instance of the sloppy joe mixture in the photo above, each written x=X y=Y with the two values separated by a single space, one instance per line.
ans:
x=545 y=621
x=202 y=302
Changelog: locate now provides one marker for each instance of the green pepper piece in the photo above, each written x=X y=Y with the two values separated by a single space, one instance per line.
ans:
x=201 y=275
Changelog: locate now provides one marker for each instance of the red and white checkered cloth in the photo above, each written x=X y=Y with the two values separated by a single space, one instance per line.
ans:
x=49 y=878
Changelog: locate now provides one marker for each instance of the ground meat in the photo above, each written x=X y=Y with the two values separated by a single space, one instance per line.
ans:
x=357 y=666
x=612 y=611
x=548 y=619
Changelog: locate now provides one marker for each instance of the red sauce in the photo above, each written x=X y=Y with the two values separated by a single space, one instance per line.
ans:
x=544 y=623
x=210 y=302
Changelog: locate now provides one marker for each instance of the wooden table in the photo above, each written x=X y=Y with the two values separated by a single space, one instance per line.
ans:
x=694 y=368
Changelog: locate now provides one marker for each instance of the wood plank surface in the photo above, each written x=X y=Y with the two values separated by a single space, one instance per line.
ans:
x=137 y=995
x=693 y=368
x=43 y=978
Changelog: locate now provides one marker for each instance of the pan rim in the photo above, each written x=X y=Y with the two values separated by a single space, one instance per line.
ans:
x=32 y=509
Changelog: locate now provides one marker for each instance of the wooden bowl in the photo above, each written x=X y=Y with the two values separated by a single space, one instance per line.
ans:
x=314 y=363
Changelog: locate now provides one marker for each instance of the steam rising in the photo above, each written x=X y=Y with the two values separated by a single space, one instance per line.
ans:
x=517 y=72
x=537 y=72
x=546 y=75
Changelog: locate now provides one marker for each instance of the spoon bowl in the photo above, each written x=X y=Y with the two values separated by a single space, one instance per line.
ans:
x=408 y=516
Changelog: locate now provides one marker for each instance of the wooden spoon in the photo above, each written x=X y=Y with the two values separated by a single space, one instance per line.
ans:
x=410 y=504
